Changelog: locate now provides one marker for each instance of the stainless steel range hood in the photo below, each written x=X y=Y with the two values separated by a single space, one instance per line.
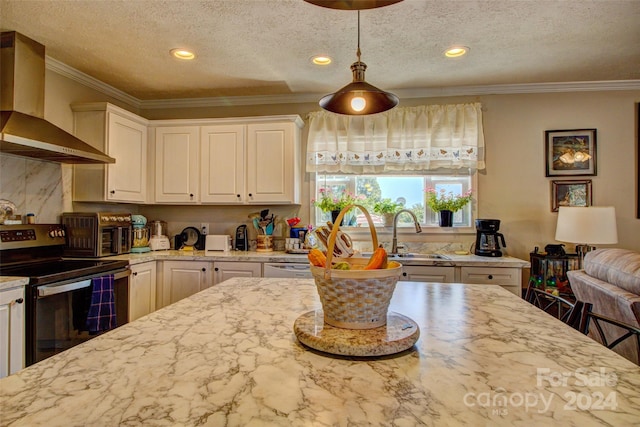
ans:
x=23 y=131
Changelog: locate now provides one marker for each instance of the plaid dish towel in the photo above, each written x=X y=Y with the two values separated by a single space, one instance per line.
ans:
x=102 y=312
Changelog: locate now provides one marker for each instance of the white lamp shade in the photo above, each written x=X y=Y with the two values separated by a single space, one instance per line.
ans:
x=587 y=225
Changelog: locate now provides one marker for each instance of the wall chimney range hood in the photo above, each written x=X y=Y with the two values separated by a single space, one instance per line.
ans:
x=23 y=129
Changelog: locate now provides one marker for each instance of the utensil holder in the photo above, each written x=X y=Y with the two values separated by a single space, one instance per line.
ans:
x=264 y=243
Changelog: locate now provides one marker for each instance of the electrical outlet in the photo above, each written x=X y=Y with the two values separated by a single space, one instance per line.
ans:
x=204 y=227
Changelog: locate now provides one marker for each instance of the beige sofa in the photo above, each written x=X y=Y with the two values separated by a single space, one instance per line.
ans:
x=610 y=280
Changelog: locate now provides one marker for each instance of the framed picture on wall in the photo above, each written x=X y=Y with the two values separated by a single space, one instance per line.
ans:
x=570 y=193
x=570 y=152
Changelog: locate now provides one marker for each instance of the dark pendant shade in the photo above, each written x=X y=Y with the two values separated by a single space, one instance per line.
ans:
x=352 y=4
x=376 y=100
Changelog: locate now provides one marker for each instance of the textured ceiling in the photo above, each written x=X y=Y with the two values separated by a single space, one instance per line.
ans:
x=263 y=47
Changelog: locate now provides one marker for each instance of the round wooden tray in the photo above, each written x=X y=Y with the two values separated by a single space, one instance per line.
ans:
x=399 y=334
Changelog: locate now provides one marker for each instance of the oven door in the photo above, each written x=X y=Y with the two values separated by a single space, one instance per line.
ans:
x=59 y=314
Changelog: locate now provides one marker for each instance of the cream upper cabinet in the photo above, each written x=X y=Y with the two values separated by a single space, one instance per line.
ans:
x=246 y=160
x=123 y=136
x=273 y=163
x=222 y=176
x=177 y=169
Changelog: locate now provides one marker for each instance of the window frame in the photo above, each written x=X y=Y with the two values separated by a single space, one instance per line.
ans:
x=408 y=228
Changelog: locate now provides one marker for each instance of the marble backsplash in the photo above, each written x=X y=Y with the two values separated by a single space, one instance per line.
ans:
x=34 y=186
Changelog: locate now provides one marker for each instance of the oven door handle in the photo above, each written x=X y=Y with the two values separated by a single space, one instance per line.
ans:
x=48 y=290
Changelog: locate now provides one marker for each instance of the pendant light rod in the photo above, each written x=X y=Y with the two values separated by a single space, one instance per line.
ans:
x=359 y=98
x=358 y=53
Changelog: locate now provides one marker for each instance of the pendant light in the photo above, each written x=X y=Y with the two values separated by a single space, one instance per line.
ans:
x=359 y=97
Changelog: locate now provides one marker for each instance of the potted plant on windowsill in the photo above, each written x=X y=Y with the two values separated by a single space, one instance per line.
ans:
x=335 y=202
x=446 y=204
x=387 y=208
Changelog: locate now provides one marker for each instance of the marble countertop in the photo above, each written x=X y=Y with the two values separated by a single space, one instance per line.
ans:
x=228 y=356
x=8 y=282
x=250 y=256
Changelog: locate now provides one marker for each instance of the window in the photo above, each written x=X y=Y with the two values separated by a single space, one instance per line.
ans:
x=407 y=190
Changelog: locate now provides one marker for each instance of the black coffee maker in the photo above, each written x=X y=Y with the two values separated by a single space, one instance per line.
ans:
x=487 y=235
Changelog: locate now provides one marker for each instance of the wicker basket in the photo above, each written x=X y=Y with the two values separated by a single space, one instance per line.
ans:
x=355 y=299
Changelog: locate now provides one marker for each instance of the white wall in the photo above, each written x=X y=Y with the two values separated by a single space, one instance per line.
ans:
x=513 y=188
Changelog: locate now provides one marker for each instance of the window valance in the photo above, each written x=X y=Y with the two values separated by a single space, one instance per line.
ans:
x=426 y=137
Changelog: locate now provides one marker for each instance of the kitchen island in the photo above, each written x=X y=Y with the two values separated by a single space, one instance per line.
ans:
x=228 y=356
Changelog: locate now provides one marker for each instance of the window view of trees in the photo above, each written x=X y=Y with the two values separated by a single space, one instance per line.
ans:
x=377 y=193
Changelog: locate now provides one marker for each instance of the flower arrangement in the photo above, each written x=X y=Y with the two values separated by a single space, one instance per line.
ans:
x=386 y=206
x=443 y=201
x=329 y=201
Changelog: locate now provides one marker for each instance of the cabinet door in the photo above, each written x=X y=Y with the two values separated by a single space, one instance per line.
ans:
x=123 y=136
x=272 y=163
x=142 y=290
x=227 y=270
x=177 y=167
x=508 y=278
x=427 y=273
x=184 y=278
x=222 y=152
x=127 y=143
x=11 y=331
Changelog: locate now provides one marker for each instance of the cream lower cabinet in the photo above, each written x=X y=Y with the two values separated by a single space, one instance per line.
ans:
x=428 y=273
x=227 y=269
x=142 y=290
x=508 y=278
x=181 y=279
x=12 y=329
x=123 y=136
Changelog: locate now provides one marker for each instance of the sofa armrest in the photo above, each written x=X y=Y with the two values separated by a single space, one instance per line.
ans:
x=607 y=299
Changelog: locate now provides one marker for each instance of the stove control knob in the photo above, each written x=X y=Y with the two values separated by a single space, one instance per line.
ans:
x=113 y=218
x=104 y=218
x=52 y=233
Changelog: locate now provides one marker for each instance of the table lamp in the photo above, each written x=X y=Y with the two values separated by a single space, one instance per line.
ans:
x=587 y=226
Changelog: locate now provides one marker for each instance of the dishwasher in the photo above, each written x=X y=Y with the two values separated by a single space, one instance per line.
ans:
x=287 y=269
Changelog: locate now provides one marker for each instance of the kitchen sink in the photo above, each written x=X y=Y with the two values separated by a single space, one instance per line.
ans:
x=411 y=255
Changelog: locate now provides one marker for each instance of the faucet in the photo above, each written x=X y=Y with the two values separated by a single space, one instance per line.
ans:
x=394 y=242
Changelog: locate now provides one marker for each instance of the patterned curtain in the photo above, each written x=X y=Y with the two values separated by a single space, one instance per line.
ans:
x=426 y=137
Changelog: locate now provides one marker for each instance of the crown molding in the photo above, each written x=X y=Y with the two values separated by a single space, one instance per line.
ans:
x=226 y=101
x=90 y=82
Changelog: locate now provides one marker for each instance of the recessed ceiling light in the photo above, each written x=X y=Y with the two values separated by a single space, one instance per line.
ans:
x=321 y=60
x=456 y=51
x=183 y=54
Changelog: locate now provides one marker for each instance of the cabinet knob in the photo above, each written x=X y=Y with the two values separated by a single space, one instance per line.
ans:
x=191 y=195
x=204 y=269
x=238 y=196
x=490 y=276
x=135 y=273
x=404 y=274
x=216 y=269
x=112 y=191
x=250 y=195
x=19 y=301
